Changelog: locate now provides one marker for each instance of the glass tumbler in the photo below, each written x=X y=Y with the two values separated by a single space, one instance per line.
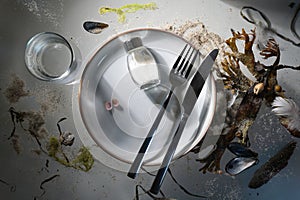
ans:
x=50 y=57
x=141 y=64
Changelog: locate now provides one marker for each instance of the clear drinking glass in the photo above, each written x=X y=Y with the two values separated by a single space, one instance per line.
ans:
x=50 y=57
x=141 y=64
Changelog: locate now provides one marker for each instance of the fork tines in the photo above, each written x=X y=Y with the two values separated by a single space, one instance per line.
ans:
x=184 y=68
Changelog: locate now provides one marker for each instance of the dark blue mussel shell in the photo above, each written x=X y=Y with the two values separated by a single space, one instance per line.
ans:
x=241 y=150
x=239 y=164
x=94 y=27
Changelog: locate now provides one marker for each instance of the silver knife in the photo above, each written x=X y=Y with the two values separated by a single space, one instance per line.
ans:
x=188 y=104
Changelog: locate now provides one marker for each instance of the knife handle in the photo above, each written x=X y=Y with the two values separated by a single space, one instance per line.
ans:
x=157 y=183
x=140 y=156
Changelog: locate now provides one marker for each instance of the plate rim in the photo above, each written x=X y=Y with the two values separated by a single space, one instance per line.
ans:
x=87 y=67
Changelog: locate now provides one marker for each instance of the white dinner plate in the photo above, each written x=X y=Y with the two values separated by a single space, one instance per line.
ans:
x=121 y=131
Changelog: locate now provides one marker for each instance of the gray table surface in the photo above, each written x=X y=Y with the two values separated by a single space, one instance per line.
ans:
x=21 y=19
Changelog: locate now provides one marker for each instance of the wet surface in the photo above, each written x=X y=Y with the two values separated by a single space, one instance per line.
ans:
x=27 y=172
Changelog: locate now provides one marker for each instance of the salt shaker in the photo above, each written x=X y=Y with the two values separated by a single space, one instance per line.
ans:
x=141 y=64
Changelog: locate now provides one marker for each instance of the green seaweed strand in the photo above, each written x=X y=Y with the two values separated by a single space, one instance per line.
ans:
x=83 y=161
x=129 y=8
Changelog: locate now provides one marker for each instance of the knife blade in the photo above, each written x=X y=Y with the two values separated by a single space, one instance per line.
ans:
x=188 y=104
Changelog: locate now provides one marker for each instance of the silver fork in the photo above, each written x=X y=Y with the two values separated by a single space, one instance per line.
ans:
x=178 y=76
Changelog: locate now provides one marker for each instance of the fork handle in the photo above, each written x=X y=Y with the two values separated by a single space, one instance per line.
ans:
x=140 y=156
x=159 y=178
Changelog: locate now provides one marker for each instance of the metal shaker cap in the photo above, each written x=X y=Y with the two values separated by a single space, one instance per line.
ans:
x=133 y=43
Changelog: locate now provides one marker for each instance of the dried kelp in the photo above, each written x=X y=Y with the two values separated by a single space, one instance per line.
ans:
x=54 y=144
x=273 y=166
x=186 y=191
x=12 y=187
x=42 y=185
x=34 y=126
x=245 y=115
x=138 y=194
x=248 y=93
x=293 y=23
x=267 y=26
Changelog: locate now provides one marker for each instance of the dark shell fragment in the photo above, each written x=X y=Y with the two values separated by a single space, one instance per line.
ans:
x=94 y=27
x=239 y=164
x=241 y=150
x=272 y=166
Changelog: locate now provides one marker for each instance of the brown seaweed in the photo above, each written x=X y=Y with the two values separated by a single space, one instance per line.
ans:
x=35 y=122
x=163 y=197
x=248 y=95
x=35 y=128
x=244 y=118
x=273 y=166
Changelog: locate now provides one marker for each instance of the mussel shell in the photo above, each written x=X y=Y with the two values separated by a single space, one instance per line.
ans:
x=239 y=164
x=94 y=27
x=240 y=150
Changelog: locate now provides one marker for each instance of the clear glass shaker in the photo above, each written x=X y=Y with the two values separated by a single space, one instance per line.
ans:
x=141 y=64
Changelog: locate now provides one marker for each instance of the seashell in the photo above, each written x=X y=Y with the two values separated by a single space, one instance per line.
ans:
x=241 y=150
x=115 y=102
x=94 y=27
x=277 y=88
x=273 y=166
x=239 y=164
x=108 y=105
x=258 y=88
x=67 y=138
